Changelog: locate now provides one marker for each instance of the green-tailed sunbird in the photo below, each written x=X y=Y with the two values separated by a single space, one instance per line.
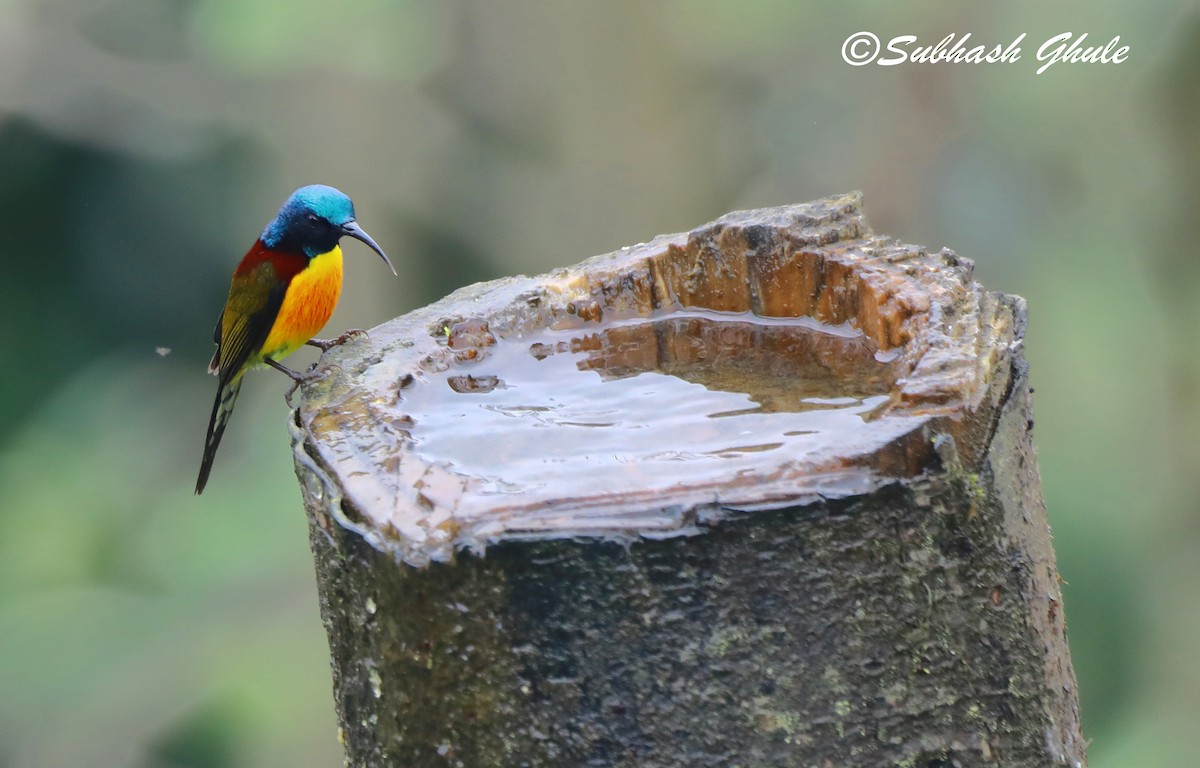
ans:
x=282 y=293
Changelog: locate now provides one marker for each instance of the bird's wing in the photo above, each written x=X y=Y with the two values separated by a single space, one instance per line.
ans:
x=214 y=365
x=254 y=301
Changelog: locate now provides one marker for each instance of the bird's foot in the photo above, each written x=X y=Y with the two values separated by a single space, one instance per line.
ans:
x=315 y=371
x=327 y=344
x=287 y=396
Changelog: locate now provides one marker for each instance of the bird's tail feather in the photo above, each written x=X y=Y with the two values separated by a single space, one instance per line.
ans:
x=222 y=410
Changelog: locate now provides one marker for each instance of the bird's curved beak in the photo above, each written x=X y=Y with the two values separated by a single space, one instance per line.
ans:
x=358 y=233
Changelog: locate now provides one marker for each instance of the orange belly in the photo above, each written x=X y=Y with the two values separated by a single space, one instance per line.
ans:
x=308 y=304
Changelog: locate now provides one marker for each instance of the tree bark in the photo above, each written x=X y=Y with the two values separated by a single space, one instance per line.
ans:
x=889 y=602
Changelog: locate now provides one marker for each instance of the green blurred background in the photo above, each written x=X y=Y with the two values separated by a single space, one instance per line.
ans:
x=144 y=144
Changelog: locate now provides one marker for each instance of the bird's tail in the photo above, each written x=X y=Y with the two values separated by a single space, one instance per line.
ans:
x=222 y=410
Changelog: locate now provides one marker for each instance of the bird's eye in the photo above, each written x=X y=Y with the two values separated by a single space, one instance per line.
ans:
x=313 y=218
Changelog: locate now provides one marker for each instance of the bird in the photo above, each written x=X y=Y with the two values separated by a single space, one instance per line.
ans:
x=282 y=294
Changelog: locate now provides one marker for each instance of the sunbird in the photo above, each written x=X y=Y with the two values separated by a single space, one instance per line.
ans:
x=282 y=294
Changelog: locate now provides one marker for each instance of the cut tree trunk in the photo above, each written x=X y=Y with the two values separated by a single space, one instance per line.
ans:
x=762 y=494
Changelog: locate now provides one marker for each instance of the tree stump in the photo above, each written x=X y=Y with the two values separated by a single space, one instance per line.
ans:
x=761 y=494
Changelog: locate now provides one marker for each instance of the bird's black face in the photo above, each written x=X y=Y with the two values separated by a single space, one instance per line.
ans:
x=309 y=233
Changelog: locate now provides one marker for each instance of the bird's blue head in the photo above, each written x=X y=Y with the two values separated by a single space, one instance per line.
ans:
x=312 y=221
x=307 y=214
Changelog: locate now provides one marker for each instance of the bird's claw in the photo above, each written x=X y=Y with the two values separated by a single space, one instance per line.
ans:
x=314 y=372
x=327 y=344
